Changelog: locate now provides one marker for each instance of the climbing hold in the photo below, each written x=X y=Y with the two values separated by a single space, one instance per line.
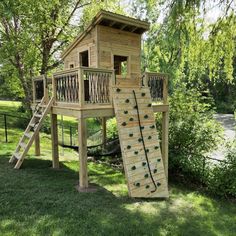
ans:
x=141 y=127
x=158 y=184
x=125 y=112
x=155 y=171
x=133 y=168
x=144 y=163
x=147 y=150
x=140 y=139
x=146 y=116
x=146 y=175
x=127 y=100
x=131 y=119
x=156 y=147
x=135 y=107
x=131 y=135
x=143 y=94
x=136 y=152
x=158 y=160
x=124 y=123
x=118 y=90
x=152 y=126
x=149 y=137
x=149 y=105
x=128 y=147
x=137 y=184
x=147 y=186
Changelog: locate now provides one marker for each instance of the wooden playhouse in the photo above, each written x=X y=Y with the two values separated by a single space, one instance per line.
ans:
x=102 y=78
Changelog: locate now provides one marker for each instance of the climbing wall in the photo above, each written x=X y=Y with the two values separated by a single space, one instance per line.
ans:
x=139 y=142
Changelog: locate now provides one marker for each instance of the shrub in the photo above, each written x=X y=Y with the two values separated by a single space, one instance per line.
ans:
x=192 y=133
x=112 y=131
x=222 y=181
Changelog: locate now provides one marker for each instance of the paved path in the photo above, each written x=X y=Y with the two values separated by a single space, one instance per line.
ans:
x=229 y=123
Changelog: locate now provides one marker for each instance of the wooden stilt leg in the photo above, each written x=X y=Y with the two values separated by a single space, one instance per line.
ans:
x=83 y=172
x=37 y=145
x=104 y=132
x=165 y=131
x=54 y=135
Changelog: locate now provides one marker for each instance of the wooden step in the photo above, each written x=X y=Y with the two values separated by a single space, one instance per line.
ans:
x=17 y=156
x=38 y=115
x=23 y=145
x=27 y=135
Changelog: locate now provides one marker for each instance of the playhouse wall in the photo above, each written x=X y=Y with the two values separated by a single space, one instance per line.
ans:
x=87 y=43
x=121 y=43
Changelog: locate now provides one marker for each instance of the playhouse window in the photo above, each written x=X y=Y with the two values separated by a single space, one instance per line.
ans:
x=121 y=65
x=71 y=66
x=84 y=58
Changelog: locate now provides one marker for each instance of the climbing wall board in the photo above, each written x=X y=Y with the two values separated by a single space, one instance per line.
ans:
x=139 y=142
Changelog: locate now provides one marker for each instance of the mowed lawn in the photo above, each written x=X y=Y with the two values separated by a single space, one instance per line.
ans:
x=37 y=200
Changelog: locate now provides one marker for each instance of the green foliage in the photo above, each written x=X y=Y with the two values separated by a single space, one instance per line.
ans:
x=222 y=181
x=192 y=133
x=112 y=131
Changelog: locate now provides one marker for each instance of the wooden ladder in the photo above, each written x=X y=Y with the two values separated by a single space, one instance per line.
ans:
x=31 y=131
x=140 y=146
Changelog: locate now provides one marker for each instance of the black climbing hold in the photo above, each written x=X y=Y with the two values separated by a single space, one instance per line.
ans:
x=131 y=119
x=135 y=107
x=141 y=127
x=118 y=90
x=131 y=135
x=155 y=171
x=144 y=163
x=149 y=105
x=158 y=160
x=127 y=100
x=146 y=175
x=128 y=147
x=158 y=184
x=147 y=150
x=137 y=184
x=156 y=147
x=136 y=152
x=152 y=126
x=133 y=168
x=147 y=186
x=125 y=112
x=146 y=116
x=124 y=123
x=140 y=139
x=149 y=137
x=143 y=94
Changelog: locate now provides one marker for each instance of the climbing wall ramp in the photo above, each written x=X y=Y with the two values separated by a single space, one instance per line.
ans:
x=139 y=142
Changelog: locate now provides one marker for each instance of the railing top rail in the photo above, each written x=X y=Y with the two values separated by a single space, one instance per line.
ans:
x=157 y=73
x=66 y=72
x=93 y=69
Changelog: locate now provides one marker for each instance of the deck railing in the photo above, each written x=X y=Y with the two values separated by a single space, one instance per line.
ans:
x=83 y=85
x=158 y=84
x=41 y=87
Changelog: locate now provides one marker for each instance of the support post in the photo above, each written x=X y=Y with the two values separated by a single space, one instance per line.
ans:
x=54 y=136
x=164 y=143
x=37 y=145
x=83 y=172
x=104 y=132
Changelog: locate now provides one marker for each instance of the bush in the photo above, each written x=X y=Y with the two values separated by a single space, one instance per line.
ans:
x=192 y=133
x=222 y=181
x=112 y=131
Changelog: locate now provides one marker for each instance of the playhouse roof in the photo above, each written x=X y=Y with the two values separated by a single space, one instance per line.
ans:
x=113 y=20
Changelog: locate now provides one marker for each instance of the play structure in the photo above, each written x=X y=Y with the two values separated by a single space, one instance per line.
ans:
x=102 y=78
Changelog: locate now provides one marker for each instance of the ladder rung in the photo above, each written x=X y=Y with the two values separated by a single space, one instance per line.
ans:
x=23 y=145
x=42 y=105
x=38 y=116
x=17 y=155
x=27 y=135
x=33 y=125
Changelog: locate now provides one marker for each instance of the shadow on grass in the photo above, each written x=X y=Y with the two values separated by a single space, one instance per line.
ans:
x=38 y=200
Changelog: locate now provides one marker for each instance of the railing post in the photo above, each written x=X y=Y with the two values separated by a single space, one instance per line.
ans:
x=145 y=80
x=45 y=89
x=165 y=90
x=81 y=86
x=54 y=88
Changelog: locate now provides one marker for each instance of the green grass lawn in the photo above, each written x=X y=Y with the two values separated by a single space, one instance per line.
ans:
x=37 y=200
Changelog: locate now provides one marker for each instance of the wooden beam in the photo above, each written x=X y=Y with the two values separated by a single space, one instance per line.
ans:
x=54 y=136
x=123 y=27
x=164 y=142
x=104 y=132
x=112 y=23
x=37 y=145
x=83 y=172
x=134 y=28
